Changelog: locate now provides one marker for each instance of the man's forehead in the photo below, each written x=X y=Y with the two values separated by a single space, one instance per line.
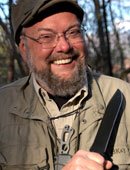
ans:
x=51 y=23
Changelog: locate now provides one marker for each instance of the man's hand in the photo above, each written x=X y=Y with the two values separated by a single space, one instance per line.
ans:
x=83 y=160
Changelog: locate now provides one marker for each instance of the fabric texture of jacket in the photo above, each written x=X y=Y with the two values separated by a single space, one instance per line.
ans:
x=27 y=136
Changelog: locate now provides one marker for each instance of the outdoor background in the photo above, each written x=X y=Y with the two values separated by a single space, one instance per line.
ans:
x=107 y=25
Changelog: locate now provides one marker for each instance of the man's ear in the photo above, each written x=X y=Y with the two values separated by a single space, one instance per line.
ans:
x=23 y=49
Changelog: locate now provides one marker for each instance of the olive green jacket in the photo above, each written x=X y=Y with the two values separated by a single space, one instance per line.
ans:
x=27 y=136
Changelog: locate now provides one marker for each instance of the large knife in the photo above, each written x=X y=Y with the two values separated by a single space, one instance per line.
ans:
x=106 y=135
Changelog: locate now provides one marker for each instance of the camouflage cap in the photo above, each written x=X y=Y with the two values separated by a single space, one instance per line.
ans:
x=25 y=11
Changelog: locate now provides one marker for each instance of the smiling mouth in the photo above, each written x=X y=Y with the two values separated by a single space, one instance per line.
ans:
x=63 y=61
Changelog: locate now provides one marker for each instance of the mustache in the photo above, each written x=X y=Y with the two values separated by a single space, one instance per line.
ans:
x=59 y=56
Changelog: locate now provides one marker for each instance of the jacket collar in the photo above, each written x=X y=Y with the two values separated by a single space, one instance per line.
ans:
x=28 y=102
x=93 y=109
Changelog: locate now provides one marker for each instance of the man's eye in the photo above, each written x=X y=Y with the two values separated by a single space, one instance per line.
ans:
x=74 y=32
x=46 y=37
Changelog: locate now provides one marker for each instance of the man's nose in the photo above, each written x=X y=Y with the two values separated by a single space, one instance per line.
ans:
x=63 y=44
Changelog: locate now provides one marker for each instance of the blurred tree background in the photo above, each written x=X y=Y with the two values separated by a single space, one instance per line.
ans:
x=107 y=24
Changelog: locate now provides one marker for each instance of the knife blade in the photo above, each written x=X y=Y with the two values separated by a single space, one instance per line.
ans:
x=106 y=135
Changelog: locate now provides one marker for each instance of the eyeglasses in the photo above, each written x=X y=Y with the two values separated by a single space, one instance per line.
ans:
x=49 y=39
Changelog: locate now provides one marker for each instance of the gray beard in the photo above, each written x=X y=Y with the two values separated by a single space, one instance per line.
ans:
x=61 y=87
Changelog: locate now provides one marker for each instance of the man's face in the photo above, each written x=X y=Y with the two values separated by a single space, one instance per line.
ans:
x=60 y=67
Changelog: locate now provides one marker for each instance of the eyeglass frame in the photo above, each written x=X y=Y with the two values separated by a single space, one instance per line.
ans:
x=56 y=35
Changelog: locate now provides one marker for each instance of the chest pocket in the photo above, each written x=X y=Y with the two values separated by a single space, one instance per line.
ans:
x=23 y=145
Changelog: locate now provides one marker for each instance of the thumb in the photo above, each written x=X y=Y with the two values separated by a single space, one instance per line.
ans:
x=108 y=164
